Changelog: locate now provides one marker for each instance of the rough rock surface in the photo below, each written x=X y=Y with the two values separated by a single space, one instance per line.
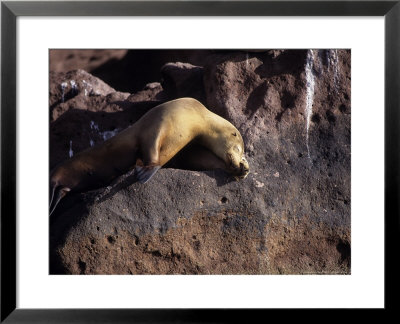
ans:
x=183 y=80
x=62 y=60
x=124 y=70
x=291 y=215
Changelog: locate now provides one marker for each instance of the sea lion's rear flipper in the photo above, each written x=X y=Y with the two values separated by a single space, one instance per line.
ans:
x=144 y=173
x=58 y=194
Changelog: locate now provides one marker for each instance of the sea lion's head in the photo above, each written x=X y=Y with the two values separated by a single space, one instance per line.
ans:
x=235 y=160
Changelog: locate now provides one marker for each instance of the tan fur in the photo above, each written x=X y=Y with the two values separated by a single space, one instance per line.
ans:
x=153 y=141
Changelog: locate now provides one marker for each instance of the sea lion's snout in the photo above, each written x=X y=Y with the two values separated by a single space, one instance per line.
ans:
x=239 y=167
x=243 y=169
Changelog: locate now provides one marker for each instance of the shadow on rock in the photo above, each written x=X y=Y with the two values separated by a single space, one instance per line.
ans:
x=288 y=62
x=122 y=74
x=70 y=211
x=91 y=128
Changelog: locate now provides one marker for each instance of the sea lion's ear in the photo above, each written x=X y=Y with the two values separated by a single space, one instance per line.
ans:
x=145 y=173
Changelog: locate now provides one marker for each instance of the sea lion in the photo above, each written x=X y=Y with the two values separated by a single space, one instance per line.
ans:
x=149 y=144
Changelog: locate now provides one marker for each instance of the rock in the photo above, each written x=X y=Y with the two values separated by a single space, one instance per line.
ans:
x=183 y=80
x=290 y=215
x=124 y=70
x=194 y=224
x=256 y=91
x=140 y=67
x=62 y=60
x=79 y=86
x=151 y=92
x=85 y=111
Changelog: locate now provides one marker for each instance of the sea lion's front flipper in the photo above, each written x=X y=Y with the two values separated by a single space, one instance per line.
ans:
x=144 y=173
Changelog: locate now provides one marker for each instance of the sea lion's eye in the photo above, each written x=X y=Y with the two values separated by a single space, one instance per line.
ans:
x=234 y=134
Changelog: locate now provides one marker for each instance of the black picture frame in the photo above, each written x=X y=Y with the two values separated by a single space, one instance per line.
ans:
x=11 y=10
